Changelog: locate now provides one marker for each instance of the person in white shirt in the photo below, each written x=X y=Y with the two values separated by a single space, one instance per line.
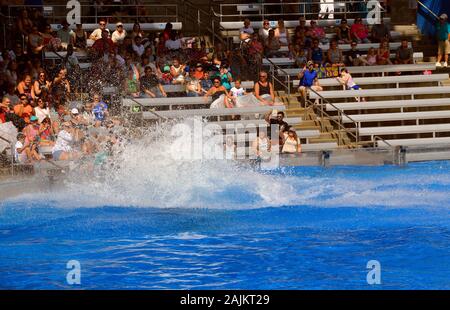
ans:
x=119 y=34
x=138 y=47
x=97 y=33
x=236 y=91
x=264 y=31
x=41 y=111
x=174 y=43
x=63 y=147
x=245 y=33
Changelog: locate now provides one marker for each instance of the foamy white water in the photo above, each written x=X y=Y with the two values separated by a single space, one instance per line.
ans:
x=148 y=172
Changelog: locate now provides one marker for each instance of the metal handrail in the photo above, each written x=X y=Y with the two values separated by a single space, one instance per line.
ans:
x=427 y=8
x=168 y=7
x=284 y=12
x=286 y=84
x=11 y=146
x=210 y=29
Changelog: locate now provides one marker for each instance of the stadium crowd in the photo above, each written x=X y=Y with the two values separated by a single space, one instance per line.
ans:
x=37 y=94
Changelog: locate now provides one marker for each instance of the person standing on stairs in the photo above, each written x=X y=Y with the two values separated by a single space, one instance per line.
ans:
x=443 y=34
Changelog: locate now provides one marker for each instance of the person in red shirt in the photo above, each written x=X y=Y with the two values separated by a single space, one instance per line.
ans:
x=359 y=32
x=4 y=109
x=104 y=45
x=24 y=109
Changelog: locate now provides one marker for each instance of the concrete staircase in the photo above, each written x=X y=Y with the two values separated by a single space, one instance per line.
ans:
x=310 y=122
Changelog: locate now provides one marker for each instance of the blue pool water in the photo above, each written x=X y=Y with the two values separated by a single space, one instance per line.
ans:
x=316 y=231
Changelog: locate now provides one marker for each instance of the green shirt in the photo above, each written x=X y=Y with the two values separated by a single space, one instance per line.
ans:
x=442 y=31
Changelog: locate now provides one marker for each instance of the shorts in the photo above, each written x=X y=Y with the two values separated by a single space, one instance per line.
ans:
x=443 y=47
x=57 y=154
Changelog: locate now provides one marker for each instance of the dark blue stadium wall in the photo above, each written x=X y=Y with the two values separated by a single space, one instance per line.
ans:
x=425 y=20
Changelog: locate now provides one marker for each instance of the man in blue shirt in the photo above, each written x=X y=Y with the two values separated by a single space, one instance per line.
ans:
x=100 y=109
x=307 y=77
x=443 y=35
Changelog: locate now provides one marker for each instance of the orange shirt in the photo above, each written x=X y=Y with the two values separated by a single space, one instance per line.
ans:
x=27 y=112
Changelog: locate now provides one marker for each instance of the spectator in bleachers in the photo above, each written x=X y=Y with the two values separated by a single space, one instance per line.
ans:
x=11 y=95
x=264 y=30
x=35 y=41
x=354 y=57
x=150 y=85
x=47 y=135
x=24 y=110
x=4 y=109
x=300 y=55
x=334 y=55
x=41 y=86
x=100 y=108
x=443 y=34
x=317 y=32
x=276 y=117
x=225 y=77
x=25 y=152
x=245 y=33
x=206 y=82
x=138 y=47
x=65 y=34
x=281 y=33
x=343 y=32
x=193 y=87
x=371 y=58
x=177 y=71
x=236 y=92
x=198 y=71
x=299 y=38
x=20 y=57
x=98 y=33
x=316 y=53
x=103 y=46
x=24 y=86
x=61 y=87
x=380 y=32
x=11 y=72
x=136 y=31
x=41 y=110
x=404 y=54
x=272 y=45
x=262 y=145
x=47 y=36
x=166 y=32
x=359 y=31
x=80 y=35
x=63 y=149
x=119 y=34
x=291 y=142
x=302 y=25
x=264 y=91
x=383 y=54
x=131 y=83
x=24 y=23
x=174 y=42
x=218 y=94
x=307 y=76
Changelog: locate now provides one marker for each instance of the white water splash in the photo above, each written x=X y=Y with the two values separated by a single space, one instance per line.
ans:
x=146 y=175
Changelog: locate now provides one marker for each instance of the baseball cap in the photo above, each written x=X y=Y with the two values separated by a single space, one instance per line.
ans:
x=119 y=24
x=443 y=16
x=33 y=118
x=74 y=111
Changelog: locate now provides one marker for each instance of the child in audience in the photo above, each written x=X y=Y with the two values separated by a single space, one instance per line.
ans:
x=236 y=92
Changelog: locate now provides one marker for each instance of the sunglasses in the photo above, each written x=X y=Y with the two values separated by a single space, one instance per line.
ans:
x=102 y=24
